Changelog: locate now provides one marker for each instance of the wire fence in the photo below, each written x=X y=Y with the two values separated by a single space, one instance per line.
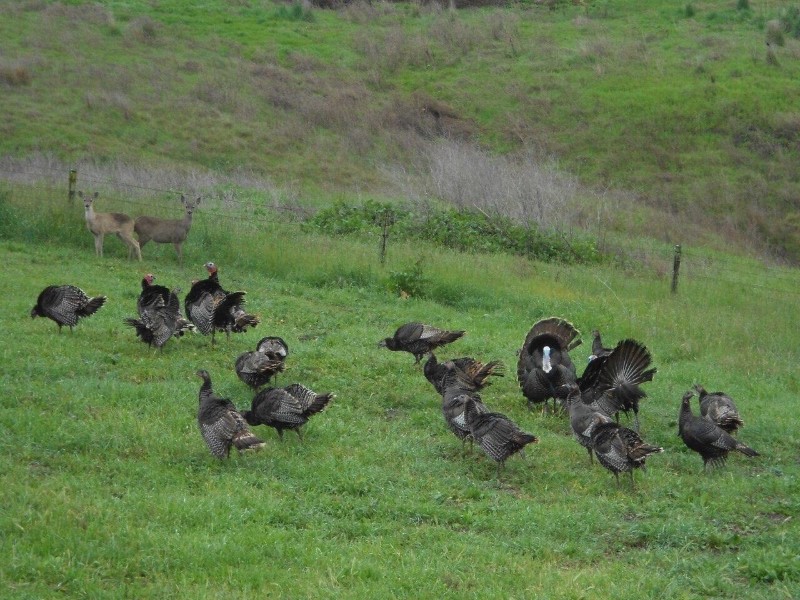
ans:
x=223 y=201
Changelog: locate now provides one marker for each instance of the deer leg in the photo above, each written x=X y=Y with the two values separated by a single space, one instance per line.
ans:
x=178 y=250
x=98 y=245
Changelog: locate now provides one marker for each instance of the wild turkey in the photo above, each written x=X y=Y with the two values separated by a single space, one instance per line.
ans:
x=544 y=364
x=459 y=388
x=159 y=314
x=438 y=374
x=706 y=438
x=720 y=409
x=498 y=435
x=419 y=339
x=65 y=304
x=150 y=292
x=274 y=347
x=286 y=408
x=220 y=423
x=610 y=384
x=583 y=418
x=212 y=309
x=598 y=350
x=618 y=448
x=256 y=368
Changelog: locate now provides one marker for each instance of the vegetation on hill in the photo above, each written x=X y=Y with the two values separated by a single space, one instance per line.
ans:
x=618 y=117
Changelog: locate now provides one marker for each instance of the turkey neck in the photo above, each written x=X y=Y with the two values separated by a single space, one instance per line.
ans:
x=205 y=390
x=685 y=415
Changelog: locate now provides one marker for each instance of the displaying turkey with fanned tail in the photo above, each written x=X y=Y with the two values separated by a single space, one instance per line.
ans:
x=419 y=339
x=159 y=315
x=618 y=448
x=221 y=425
x=706 y=438
x=256 y=368
x=213 y=309
x=495 y=433
x=610 y=384
x=66 y=304
x=286 y=408
x=274 y=347
x=720 y=409
x=544 y=364
x=439 y=374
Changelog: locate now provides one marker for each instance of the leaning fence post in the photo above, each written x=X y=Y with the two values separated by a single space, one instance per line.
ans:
x=73 y=178
x=676 y=265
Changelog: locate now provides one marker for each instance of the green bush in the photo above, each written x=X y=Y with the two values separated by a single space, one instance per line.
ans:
x=411 y=281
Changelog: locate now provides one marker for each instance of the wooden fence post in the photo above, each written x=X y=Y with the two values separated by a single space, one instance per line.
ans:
x=73 y=178
x=676 y=265
x=386 y=221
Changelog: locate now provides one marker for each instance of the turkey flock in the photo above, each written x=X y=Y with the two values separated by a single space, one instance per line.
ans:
x=610 y=386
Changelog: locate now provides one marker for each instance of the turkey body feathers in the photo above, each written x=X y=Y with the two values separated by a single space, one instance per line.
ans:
x=419 y=339
x=286 y=408
x=495 y=433
x=620 y=449
x=720 y=409
x=706 y=438
x=66 y=305
x=220 y=424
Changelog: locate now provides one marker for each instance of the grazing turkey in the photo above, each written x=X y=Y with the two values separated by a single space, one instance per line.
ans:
x=706 y=438
x=598 y=350
x=544 y=364
x=419 y=339
x=286 y=408
x=439 y=374
x=618 y=448
x=212 y=309
x=719 y=408
x=610 y=384
x=498 y=435
x=65 y=304
x=583 y=418
x=220 y=423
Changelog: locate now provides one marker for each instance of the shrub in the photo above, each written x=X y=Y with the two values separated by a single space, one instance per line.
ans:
x=689 y=10
x=411 y=281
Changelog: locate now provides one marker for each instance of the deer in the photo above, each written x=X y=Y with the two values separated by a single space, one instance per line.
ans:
x=167 y=231
x=99 y=224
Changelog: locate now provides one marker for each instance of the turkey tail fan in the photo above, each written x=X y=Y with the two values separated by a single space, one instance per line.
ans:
x=746 y=450
x=244 y=321
x=247 y=440
x=479 y=372
x=142 y=330
x=561 y=330
x=627 y=365
x=92 y=306
x=311 y=402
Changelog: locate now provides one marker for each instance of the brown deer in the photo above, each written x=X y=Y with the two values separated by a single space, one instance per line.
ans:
x=167 y=231
x=102 y=223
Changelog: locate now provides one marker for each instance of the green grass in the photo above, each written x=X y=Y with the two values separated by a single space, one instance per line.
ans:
x=109 y=491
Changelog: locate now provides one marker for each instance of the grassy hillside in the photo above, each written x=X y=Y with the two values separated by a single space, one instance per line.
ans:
x=109 y=490
x=676 y=118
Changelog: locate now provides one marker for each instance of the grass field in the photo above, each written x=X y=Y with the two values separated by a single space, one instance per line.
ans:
x=109 y=491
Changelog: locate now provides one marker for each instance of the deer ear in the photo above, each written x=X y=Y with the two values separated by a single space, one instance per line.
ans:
x=80 y=194
x=96 y=194
x=183 y=199
x=196 y=202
